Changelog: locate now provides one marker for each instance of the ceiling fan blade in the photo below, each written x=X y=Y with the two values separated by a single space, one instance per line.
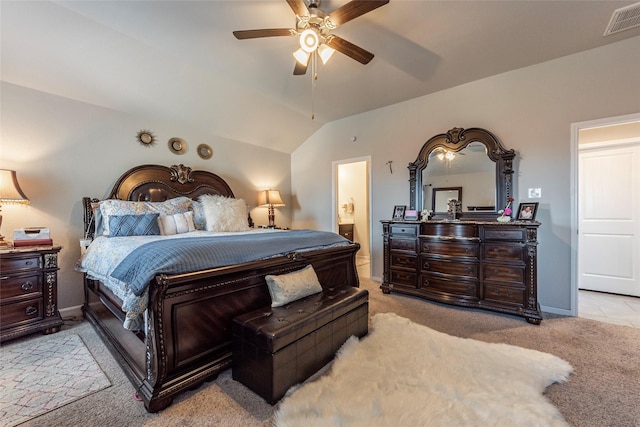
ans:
x=271 y=32
x=298 y=7
x=300 y=70
x=354 y=9
x=349 y=49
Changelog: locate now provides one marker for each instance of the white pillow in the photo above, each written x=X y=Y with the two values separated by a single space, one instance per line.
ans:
x=289 y=287
x=176 y=224
x=224 y=213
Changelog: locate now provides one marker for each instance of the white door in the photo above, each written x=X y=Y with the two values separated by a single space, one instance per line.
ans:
x=608 y=215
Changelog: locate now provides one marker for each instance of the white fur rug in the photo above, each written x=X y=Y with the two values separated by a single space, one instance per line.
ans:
x=405 y=374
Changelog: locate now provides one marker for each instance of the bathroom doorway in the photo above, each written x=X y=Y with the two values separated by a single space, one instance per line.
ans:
x=351 y=206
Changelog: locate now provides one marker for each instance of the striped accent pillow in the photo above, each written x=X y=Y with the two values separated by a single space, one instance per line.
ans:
x=133 y=225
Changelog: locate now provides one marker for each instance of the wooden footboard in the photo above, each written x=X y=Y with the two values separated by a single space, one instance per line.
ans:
x=188 y=336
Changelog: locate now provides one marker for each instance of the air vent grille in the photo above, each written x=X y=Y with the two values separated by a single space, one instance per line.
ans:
x=624 y=19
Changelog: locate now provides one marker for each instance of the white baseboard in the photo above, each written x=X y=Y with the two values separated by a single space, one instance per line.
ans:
x=71 y=312
x=555 y=310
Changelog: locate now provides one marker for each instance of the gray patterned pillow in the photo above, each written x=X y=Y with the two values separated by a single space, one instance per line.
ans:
x=134 y=225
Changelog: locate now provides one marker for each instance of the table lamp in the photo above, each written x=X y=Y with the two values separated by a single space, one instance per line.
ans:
x=10 y=192
x=270 y=199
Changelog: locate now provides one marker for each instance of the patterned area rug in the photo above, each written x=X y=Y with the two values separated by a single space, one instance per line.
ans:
x=42 y=374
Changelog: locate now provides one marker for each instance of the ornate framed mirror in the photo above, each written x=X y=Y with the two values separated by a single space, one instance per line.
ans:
x=472 y=159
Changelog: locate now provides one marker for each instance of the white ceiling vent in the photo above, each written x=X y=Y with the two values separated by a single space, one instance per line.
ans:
x=624 y=19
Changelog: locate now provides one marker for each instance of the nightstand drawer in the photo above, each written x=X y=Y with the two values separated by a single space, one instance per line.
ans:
x=20 y=286
x=19 y=263
x=21 y=312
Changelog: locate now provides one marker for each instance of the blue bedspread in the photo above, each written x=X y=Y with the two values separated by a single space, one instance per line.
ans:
x=200 y=253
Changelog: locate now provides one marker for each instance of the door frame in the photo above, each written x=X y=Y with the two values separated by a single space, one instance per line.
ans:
x=574 y=193
x=334 y=196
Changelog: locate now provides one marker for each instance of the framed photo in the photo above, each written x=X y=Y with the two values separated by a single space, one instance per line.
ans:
x=398 y=212
x=527 y=211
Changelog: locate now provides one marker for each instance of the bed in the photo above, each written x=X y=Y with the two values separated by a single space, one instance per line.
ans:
x=185 y=339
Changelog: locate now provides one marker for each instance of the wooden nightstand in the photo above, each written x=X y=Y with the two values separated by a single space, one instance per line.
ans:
x=28 y=291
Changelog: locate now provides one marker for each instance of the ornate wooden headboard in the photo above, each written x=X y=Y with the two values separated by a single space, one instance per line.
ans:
x=157 y=183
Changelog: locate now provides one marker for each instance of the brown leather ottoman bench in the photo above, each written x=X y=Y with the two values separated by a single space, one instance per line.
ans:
x=276 y=348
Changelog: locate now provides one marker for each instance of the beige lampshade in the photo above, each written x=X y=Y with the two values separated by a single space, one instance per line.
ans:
x=270 y=198
x=10 y=191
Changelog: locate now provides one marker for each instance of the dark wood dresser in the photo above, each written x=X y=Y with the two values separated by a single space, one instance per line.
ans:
x=28 y=291
x=483 y=264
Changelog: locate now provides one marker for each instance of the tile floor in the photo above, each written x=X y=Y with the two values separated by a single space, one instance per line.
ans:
x=610 y=308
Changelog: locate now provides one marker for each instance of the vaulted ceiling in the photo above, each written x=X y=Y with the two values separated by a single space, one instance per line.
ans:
x=179 y=59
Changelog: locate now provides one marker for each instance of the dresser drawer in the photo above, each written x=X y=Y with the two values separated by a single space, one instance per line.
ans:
x=403 y=244
x=502 y=251
x=404 y=261
x=504 y=233
x=449 y=249
x=21 y=312
x=21 y=286
x=502 y=294
x=504 y=273
x=403 y=278
x=404 y=230
x=19 y=263
x=449 y=287
x=450 y=267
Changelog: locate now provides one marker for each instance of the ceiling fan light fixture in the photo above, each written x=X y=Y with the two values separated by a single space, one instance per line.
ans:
x=325 y=52
x=301 y=56
x=309 y=40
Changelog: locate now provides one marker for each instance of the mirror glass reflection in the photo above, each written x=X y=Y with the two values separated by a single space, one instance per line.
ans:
x=470 y=168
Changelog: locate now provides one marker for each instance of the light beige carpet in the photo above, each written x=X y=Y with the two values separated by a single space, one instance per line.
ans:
x=602 y=391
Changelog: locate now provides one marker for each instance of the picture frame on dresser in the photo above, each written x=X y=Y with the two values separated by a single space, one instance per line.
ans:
x=398 y=212
x=527 y=211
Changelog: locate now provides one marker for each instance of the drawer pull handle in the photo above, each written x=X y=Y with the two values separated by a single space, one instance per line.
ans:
x=468 y=270
x=30 y=311
x=495 y=270
x=427 y=248
x=29 y=263
x=426 y=265
x=27 y=286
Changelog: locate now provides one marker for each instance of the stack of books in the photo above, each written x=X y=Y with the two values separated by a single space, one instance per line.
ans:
x=32 y=236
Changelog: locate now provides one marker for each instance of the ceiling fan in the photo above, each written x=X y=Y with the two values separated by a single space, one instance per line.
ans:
x=314 y=26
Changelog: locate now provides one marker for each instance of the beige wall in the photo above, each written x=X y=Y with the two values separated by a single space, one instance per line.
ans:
x=530 y=110
x=63 y=150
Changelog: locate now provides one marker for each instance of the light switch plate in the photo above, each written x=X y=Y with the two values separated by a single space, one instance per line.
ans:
x=535 y=193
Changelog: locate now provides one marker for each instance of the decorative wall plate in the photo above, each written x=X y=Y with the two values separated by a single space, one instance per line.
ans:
x=204 y=151
x=177 y=145
x=146 y=138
